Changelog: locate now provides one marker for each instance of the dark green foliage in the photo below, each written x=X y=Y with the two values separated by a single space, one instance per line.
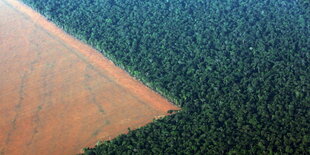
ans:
x=239 y=69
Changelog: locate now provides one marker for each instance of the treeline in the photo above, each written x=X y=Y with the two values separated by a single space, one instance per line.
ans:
x=238 y=68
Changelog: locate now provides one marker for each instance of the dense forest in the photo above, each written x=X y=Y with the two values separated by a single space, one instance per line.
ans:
x=238 y=68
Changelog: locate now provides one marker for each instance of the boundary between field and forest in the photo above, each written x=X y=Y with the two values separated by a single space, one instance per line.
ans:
x=98 y=59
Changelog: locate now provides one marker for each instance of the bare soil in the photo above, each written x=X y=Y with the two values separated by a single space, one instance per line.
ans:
x=57 y=94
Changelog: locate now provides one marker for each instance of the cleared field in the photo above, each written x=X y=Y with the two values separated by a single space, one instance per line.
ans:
x=58 y=95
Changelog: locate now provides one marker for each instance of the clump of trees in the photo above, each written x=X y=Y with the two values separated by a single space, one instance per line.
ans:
x=239 y=69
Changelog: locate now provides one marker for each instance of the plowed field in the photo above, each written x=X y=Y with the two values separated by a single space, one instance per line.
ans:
x=58 y=95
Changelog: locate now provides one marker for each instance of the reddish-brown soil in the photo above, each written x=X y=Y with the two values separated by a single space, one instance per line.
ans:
x=58 y=95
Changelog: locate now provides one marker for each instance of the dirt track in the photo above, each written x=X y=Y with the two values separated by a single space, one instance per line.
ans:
x=58 y=95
